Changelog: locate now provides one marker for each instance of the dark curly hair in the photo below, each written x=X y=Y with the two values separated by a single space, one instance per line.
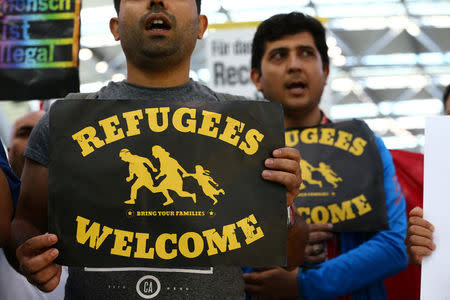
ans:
x=117 y=5
x=279 y=26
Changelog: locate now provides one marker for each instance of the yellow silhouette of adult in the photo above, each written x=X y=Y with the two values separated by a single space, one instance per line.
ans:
x=137 y=168
x=307 y=170
x=204 y=181
x=170 y=168
x=329 y=174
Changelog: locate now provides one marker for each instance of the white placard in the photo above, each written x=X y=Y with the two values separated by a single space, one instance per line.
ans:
x=436 y=268
x=229 y=54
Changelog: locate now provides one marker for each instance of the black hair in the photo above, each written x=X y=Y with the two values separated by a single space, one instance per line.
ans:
x=117 y=5
x=279 y=26
x=446 y=94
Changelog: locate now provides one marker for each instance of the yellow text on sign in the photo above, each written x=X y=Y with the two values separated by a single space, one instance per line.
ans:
x=327 y=136
x=159 y=119
x=336 y=212
x=168 y=246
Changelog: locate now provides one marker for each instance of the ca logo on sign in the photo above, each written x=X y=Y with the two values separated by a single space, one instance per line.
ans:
x=148 y=287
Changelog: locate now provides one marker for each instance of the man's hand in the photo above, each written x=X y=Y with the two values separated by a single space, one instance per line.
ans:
x=274 y=283
x=36 y=262
x=319 y=234
x=419 y=237
x=285 y=169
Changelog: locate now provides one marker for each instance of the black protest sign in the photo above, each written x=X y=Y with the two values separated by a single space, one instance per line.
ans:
x=342 y=176
x=39 y=42
x=135 y=183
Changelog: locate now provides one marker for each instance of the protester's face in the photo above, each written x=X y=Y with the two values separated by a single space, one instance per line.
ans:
x=19 y=138
x=447 y=106
x=162 y=31
x=292 y=73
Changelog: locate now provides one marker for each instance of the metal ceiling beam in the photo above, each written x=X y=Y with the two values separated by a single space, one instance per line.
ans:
x=382 y=43
x=428 y=43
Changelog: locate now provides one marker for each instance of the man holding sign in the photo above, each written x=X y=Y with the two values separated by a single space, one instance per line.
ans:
x=290 y=65
x=158 y=38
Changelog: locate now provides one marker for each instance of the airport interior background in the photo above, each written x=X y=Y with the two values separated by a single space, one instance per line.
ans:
x=390 y=59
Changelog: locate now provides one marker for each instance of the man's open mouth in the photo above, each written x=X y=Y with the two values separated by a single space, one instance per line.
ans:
x=296 y=85
x=158 y=22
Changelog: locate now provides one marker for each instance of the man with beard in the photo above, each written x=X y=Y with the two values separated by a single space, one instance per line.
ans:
x=290 y=65
x=158 y=38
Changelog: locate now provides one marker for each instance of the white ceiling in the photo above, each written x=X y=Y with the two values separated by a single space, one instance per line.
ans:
x=392 y=63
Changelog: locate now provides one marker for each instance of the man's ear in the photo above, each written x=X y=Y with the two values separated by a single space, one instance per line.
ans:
x=255 y=75
x=114 y=28
x=202 y=26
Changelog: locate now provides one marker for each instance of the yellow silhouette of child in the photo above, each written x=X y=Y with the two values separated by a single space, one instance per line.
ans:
x=170 y=168
x=329 y=174
x=137 y=168
x=204 y=181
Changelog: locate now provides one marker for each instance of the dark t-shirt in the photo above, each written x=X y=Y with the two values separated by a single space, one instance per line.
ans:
x=14 y=182
x=143 y=283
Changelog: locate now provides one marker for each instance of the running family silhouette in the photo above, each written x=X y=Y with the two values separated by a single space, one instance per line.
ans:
x=173 y=172
x=325 y=170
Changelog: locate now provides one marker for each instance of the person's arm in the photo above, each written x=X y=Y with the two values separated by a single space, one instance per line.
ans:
x=419 y=238
x=183 y=171
x=272 y=283
x=149 y=163
x=6 y=210
x=213 y=181
x=130 y=174
x=34 y=253
x=383 y=255
x=281 y=283
x=284 y=168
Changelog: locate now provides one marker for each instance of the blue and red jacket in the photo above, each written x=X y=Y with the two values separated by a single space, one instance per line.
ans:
x=365 y=259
